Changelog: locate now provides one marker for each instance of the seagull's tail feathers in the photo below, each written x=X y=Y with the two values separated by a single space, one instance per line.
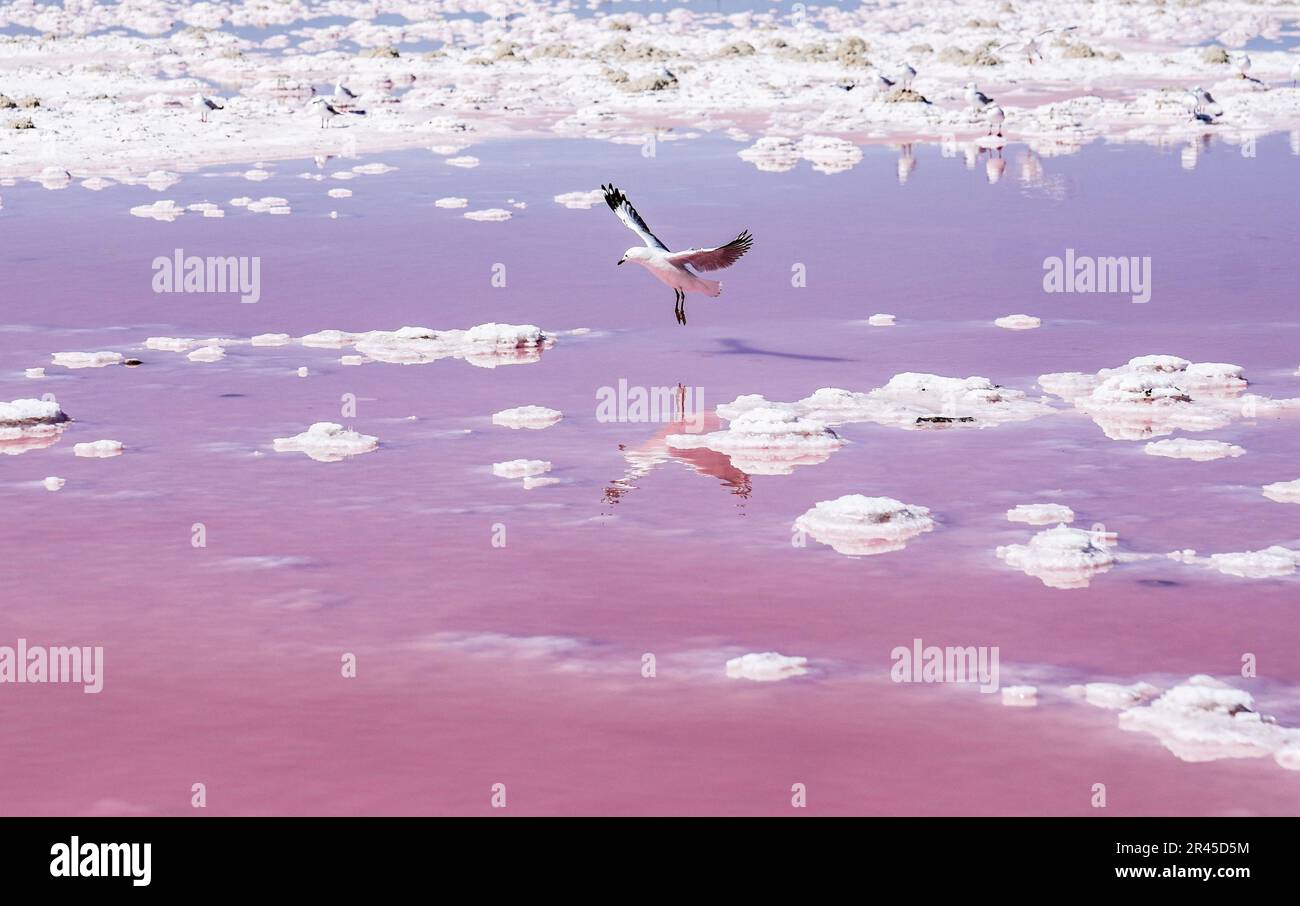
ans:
x=357 y=112
x=712 y=287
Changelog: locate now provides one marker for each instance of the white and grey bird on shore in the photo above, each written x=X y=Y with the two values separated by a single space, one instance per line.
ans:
x=995 y=117
x=204 y=106
x=905 y=75
x=976 y=98
x=343 y=95
x=674 y=268
x=1204 y=106
x=328 y=112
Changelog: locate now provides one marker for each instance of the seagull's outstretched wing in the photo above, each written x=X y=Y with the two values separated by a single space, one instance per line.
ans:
x=717 y=258
x=619 y=204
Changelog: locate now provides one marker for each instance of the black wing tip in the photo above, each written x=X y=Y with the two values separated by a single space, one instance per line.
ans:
x=613 y=197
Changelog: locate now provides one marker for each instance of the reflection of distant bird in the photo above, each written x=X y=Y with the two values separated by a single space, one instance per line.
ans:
x=906 y=164
x=1030 y=47
x=203 y=106
x=976 y=98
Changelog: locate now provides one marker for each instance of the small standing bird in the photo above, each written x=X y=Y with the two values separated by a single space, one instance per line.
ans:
x=1295 y=74
x=995 y=117
x=882 y=83
x=976 y=98
x=674 y=268
x=204 y=105
x=1203 y=104
x=328 y=112
x=905 y=75
x=343 y=95
x=1243 y=65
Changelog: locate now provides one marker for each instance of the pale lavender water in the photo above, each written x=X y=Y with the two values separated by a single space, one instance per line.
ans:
x=227 y=673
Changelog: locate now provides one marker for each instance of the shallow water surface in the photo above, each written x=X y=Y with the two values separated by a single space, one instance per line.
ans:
x=522 y=663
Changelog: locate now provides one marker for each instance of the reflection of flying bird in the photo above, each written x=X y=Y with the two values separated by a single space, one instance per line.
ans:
x=643 y=459
x=674 y=268
x=1030 y=47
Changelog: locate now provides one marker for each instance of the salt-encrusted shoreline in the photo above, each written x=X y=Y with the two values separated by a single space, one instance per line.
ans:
x=790 y=88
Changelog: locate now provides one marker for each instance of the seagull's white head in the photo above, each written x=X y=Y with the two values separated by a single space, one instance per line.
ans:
x=636 y=253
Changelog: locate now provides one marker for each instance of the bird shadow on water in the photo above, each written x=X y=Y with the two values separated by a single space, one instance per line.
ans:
x=733 y=346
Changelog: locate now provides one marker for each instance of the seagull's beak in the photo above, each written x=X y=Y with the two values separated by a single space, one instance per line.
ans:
x=621 y=260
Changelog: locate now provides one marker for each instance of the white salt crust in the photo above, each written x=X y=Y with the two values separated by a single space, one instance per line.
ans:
x=1201 y=719
x=1020 y=696
x=859 y=526
x=1061 y=557
x=1197 y=450
x=30 y=424
x=98 y=449
x=767 y=667
x=125 y=73
x=86 y=359
x=1018 y=322
x=1283 y=491
x=1040 y=513
x=532 y=417
x=327 y=442
x=766 y=441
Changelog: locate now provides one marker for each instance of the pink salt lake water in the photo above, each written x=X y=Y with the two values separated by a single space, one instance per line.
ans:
x=223 y=663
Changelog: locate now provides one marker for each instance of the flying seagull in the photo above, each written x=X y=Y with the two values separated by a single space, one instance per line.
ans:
x=1029 y=45
x=203 y=105
x=674 y=268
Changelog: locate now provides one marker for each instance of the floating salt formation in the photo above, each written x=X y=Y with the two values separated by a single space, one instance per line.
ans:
x=34 y=373
x=375 y=169
x=1198 y=450
x=1019 y=322
x=1159 y=394
x=207 y=354
x=767 y=667
x=583 y=201
x=492 y=215
x=859 y=526
x=1061 y=557
x=909 y=400
x=1020 y=696
x=1114 y=696
x=766 y=441
x=302 y=371
x=827 y=154
x=532 y=472
x=339 y=193
x=534 y=417
x=1204 y=719
x=165 y=211
x=53 y=483
x=881 y=320
x=452 y=203
x=465 y=162
x=170 y=343
x=87 y=359
x=29 y=424
x=327 y=442
x=485 y=346
x=99 y=449
x=271 y=339
x=1040 y=513
x=1283 y=491
x=1271 y=562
